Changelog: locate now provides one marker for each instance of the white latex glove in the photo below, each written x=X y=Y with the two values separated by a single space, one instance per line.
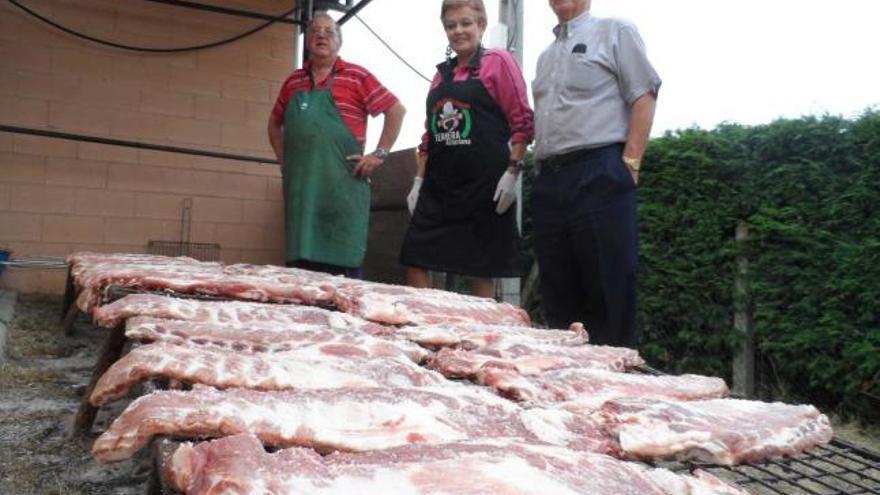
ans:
x=413 y=197
x=505 y=193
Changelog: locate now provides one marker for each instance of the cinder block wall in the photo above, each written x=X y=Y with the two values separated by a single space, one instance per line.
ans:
x=59 y=196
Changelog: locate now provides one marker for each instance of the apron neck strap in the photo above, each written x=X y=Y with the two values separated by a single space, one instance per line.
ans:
x=332 y=76
x=447 y=67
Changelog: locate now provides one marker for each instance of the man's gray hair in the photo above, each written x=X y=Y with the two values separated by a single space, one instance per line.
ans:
x=322 y=14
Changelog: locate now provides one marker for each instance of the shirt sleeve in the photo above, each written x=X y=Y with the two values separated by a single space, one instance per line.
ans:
x=282 y=100
x=377 y=99
x=503 y=79
x=637 y=75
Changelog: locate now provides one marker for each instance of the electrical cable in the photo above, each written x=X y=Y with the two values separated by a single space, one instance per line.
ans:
x=149 y=49
x=391 y=49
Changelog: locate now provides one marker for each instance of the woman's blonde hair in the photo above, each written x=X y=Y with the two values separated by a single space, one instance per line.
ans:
x=477 y=5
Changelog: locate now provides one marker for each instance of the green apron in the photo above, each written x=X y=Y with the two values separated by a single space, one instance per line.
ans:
x=326 y=208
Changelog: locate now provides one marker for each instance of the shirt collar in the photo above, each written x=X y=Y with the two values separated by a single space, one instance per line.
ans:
x=564 y=29
x=340 y=64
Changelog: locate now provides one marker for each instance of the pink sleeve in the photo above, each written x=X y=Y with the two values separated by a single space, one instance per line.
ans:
x=423 y=145
x=504 y=80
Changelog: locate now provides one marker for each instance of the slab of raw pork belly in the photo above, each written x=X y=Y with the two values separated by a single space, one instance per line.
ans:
x=342 y=419
x=720 y=431
x=232 y=312
x=239 y=465
x=91 y=274
x=531 y=359
x=399 y=305
x=331 y=365
x=474 y=336
x=260 y=337
x=585 y=389
x=182 y=275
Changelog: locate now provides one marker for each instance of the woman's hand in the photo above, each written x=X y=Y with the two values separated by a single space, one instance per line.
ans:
x=413 y=197
x=505 y=192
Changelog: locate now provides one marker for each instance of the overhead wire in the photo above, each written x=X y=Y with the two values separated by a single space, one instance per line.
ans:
x=399 y=57
x=152 y=49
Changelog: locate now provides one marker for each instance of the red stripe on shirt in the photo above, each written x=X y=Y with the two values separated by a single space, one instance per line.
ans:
x=355 y=90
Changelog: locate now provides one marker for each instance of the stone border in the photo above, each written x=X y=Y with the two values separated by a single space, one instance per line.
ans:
x=7 y=310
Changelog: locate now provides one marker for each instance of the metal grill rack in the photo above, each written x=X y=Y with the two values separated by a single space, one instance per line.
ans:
x=839 y=468
x=198 y=250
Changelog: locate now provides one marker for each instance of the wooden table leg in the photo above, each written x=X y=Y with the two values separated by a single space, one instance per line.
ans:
x=69 y=296
x=163 y=449
x=110 y=352
x=70 y=319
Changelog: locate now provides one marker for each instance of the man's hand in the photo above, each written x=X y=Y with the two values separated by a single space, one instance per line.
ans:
x=365 y=165
x=505 y=192
x=413 y=197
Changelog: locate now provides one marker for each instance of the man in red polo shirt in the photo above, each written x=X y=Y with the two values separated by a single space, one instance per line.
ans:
x=317 y=130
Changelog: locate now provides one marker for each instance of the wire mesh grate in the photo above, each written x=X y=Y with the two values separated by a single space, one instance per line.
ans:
x=198 y=250
x=838 y=468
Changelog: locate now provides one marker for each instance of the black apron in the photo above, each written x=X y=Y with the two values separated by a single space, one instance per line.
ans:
x=454 y=227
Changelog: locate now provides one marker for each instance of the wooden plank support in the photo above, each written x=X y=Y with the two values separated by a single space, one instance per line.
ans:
x=69 y=296
x=70 y=319
x=163 y=449
x=110 y=352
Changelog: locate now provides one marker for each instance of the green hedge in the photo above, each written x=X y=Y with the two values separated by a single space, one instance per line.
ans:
x=808 y=190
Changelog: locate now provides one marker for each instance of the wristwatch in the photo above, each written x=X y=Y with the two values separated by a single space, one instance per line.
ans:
x=517 y=164
x=380 y=153
x=633 y=164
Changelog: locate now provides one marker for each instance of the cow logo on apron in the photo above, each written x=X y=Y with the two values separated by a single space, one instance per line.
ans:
x=451 y=122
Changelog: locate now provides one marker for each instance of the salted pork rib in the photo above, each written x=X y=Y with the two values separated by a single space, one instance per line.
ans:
x=239 y=465
x=342 y=419
x=475 y=335
x=721 y=431
x=225 y=312
x=399 y=305
x=531 y=359
x=93 y=272
x=585 y=389
x=259 y=337
x=329 y=365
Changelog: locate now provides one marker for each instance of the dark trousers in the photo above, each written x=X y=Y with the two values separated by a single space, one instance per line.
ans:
x=328 y=268
x=586 y=241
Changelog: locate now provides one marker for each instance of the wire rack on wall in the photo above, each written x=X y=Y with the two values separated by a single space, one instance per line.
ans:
x=198 y=250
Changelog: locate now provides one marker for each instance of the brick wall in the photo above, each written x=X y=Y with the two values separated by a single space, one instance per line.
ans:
x=59 y=196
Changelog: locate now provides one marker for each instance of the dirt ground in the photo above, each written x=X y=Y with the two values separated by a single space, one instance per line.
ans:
x=41 y=385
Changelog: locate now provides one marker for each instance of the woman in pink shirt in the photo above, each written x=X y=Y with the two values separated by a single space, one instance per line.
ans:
x=477 y=128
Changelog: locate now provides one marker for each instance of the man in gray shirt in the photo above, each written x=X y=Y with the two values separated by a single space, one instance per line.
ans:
x=595 y=93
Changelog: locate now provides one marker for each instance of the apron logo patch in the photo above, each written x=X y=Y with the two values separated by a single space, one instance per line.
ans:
x=451 y=122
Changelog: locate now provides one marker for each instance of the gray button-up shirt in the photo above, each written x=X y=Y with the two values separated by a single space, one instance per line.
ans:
x=586 y=83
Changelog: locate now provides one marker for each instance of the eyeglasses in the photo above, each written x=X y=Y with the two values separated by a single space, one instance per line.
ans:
x=328 y=31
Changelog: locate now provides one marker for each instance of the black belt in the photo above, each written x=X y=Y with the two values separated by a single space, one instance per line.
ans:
x=557 y=161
